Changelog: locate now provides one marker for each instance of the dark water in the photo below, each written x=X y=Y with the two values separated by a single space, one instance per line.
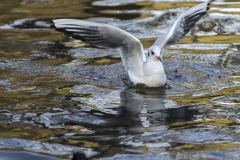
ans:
x=59 y=95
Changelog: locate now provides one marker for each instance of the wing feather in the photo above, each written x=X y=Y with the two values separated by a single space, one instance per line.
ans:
x=182 y=25
x=105 y=36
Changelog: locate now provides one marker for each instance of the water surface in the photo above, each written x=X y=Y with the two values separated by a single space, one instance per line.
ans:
x=59 y=95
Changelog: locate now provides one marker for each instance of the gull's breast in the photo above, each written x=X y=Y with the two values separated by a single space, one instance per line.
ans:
x=152 y=80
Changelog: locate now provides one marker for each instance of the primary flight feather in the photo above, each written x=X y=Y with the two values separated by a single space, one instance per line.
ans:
x=150 y=70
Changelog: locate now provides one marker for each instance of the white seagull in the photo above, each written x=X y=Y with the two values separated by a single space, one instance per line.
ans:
x=148 y=71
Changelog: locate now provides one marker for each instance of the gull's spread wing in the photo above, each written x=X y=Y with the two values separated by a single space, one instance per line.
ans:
x=182 y=25
x=105 y=36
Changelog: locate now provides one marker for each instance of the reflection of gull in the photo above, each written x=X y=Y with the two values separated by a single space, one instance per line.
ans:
x=144 y=108
x=140 y=69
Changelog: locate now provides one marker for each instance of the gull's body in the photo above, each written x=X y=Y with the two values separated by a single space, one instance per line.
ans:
x=150 y=70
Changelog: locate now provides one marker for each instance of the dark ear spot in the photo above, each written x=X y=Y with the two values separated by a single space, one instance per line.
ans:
x=148 y=54
x=152 y=53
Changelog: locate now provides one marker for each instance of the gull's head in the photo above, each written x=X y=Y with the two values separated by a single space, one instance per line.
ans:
x=155 y=53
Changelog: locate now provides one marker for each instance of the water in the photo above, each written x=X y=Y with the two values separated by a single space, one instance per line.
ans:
x=59 y=95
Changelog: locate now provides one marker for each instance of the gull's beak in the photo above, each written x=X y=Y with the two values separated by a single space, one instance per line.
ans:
x=159 y=58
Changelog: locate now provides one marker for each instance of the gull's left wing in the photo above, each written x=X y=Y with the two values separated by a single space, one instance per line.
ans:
x=182 y=25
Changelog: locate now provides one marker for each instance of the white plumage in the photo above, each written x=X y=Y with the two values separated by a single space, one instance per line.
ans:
x=149 y=71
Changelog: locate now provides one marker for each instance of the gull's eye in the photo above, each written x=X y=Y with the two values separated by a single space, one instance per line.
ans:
x=152 y=53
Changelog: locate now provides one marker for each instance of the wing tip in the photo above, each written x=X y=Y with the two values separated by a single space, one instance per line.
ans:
x=208 y=6
x=53 y=24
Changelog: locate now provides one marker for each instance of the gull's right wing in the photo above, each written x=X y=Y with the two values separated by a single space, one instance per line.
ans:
x=105 y=36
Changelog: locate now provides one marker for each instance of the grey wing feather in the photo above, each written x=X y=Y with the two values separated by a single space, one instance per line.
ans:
x=86 y=31
x=105 y=36
x=182 y=25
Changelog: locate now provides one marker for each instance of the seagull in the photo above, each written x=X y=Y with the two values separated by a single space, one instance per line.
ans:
x=144 y=69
